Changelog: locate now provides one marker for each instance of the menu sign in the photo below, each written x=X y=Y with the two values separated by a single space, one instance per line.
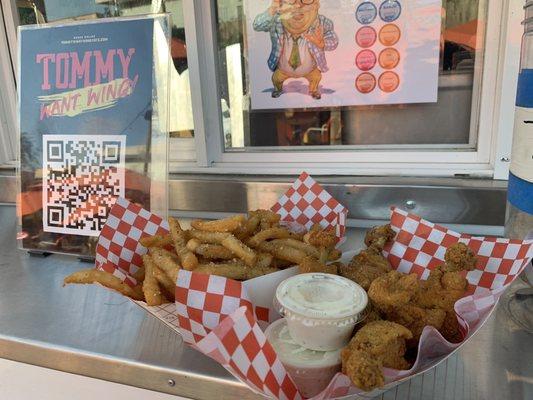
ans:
x=85 y=121
x=312 y=53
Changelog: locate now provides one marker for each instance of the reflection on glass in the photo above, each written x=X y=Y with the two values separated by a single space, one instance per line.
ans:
x=181 y=119
x=447 y=122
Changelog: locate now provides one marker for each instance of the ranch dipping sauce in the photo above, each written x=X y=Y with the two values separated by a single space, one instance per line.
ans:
x=321 y=309
x=311 y=370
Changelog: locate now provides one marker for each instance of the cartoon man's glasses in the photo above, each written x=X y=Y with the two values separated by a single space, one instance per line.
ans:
x=305 y=2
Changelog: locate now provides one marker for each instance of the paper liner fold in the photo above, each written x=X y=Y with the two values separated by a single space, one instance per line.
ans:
x=221 y=318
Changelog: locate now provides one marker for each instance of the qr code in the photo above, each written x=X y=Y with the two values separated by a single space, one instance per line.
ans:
x=83 y=175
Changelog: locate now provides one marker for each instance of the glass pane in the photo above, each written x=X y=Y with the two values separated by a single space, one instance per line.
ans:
x=446 y=123
x=181 y=118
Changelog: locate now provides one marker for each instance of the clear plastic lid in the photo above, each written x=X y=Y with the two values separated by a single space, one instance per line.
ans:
x=325 y=297
x=292 y=353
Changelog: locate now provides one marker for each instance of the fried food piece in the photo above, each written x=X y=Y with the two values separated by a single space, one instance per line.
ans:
x=166 y=283
x=234 y=270
x=156 y=241
x=229 y=224
x=415 y=319
x=209 y=237
x=378 y=236
x=459 y=257
x=151 y=290
x=187 y=258
x=210 y=251
x=240 y=249
x=321 y=238
x=87 y=276
x=393 y=289
x=366 y=266
x=267 y=234
x=248 y=228
x=364 y=371
x=264 y=260
x=311 y=264
x=166 y=261
x=377 y=344
x=283 y=252
x=383 y=340
x=441 y=289
x=267 y=219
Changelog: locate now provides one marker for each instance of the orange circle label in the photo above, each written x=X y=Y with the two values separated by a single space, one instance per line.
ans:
x=365 y=37
x=365 y=60
x=389 y=81
x=389 y=34
x=365 y=83
x=389 y=58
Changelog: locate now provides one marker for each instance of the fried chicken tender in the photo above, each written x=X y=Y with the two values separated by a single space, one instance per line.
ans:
x=370 y=264
x=364 y=371
x=366 y=266
x=393 y=290
x=415 y=319
x=378 y=236
x=378 y=344
x=459 y=257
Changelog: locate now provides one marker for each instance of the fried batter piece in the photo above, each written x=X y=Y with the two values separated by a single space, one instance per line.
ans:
x=378 y=344
x=370 y=264
x=393 y=290
x=415 y=304
x=415 y=319
x=378 y=236
x=366 y=266
x=311 y=264
x=459 y=257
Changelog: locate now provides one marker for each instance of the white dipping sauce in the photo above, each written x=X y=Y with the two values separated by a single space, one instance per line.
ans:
x=321 y=309
x=310 y=370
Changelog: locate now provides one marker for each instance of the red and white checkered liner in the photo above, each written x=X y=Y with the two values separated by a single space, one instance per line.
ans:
x=219 y=317
x=307 y=203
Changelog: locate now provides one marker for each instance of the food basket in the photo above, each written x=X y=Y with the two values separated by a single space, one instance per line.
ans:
x=224 y=319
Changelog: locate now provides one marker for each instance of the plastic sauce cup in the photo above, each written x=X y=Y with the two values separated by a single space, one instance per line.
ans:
x=311 y=370
x=321 y=309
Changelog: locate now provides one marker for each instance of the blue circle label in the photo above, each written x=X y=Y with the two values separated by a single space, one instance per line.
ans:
x=366 y=13
x=390 y=10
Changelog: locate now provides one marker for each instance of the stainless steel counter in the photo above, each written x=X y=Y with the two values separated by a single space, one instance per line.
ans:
x=91 y=331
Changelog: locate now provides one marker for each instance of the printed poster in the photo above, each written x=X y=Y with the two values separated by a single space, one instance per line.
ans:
x=330 y=53
x=85 y=121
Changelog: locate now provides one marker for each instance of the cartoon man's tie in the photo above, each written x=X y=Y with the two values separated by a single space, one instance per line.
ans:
x=294 y=59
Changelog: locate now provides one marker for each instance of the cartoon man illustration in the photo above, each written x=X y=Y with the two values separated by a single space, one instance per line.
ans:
x=300 y=37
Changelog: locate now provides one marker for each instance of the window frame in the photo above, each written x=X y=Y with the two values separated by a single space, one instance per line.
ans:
x=499 y=60
x=493 y=117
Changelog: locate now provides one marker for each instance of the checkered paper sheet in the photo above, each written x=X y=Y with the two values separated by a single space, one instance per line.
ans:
x=212 y=313
x=222 y=318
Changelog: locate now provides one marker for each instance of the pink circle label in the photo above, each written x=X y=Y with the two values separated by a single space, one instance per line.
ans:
x=366 y=37
x=365 y=60
x=365 y=83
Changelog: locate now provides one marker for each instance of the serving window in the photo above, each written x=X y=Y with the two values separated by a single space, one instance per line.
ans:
x=219 y=127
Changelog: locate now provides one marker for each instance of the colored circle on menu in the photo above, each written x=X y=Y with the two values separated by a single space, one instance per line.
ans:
x=366 y=36
x=389 y=35
x=389 y=81
x=365 y=82
x=390 y=10
x=365 y=60
x=366 y=13
x=389 y=58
